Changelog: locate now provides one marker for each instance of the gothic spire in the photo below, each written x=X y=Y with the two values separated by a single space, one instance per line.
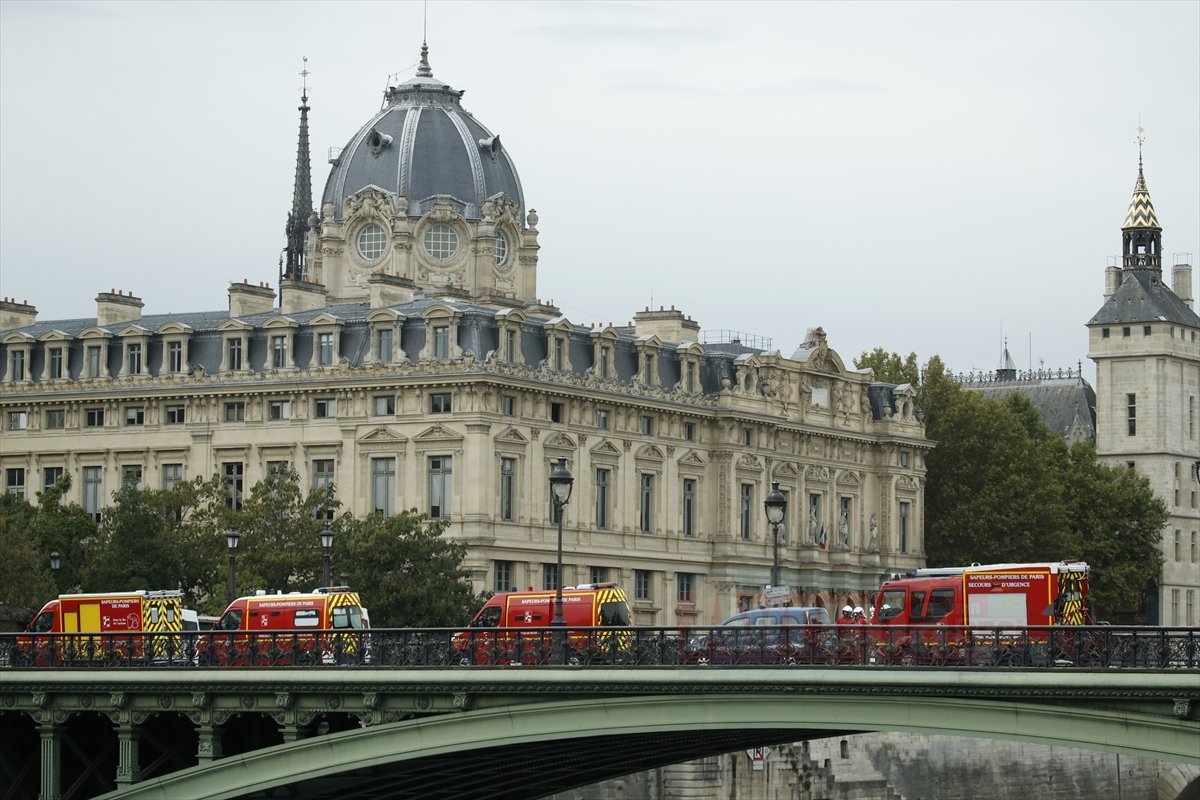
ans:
x=297 y=223
x=1141 y=233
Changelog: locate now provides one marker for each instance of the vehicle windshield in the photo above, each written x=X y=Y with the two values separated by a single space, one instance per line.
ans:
x=891 y=604
x=231 y=621
x=43 y=622
x=614 y=613
x=348 y=617
x=818 y=616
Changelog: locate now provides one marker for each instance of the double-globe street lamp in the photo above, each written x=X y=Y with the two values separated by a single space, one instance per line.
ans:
x=775 y=505
x=231 y=542
x=327 y=558
x=561 y=482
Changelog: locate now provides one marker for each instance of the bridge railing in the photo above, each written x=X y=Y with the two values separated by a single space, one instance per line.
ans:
x=1093 y=647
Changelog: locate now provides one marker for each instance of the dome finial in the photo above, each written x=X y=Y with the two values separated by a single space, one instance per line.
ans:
x=423 y=71
x=1141 y=137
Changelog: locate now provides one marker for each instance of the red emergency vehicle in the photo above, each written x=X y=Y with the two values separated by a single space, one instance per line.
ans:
x=119 y=626
x=322 y=626
x=523 y=622
x=984 y=600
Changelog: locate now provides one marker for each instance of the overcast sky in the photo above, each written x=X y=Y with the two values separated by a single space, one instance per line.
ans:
x=924 y=177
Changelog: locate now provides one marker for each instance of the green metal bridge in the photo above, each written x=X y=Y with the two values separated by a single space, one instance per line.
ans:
x=521 y=731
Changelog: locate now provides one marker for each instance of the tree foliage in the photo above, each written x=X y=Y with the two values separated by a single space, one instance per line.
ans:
x=410 y=574
x=1000 y=487
x=25 y=580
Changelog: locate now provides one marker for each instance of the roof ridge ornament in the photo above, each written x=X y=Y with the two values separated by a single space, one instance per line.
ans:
x=423 y=70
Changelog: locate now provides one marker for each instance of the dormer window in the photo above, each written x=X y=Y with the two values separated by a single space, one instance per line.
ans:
x=441 y=342
x=16 y=371
x=134 y=359
x=54 y=362
x=500 y=254
x=233 y=353
x=93 y=361
x=279 y=351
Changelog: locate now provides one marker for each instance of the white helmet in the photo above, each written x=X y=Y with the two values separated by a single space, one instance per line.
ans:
x=858 y=610
x=846 y=609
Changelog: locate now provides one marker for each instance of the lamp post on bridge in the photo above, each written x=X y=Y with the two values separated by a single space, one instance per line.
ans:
x=561 y=482
x=775 y=505
x=327 y=557
x=231 y=542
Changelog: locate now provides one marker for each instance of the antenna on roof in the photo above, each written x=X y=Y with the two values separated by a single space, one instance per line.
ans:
x=1141 y=138
x=304 y=73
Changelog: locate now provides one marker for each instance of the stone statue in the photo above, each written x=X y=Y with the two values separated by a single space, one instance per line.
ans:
x=874 y=543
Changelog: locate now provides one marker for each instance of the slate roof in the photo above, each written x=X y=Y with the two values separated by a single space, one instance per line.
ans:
x=1066 y=405
x=1143 y=297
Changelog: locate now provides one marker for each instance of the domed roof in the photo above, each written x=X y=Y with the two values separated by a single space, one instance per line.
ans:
x=423 y=144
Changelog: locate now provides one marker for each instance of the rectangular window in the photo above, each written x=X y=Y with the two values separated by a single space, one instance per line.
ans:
x=14 y=481
x=904 y=527
x=648 y=377
x=174 y=356
x=1174 y=607
x=233 y=353
x=234 y=475
x=599 y=575
x=325 y=408
x=1131 y=413
x=92 y=491
x=235 y=412
x=508 y=470
x=1145 y=330
x=904 y=458
x=93 y=361
x=322 y=472
x=17 y=364
x=325 y=349
x=1104 y=333
x=691 y=377
x=56 y=419
x=1193 y=548
x=647 y=425
x=441 y=342
x=93 y=418
x=175 y=414
x=383 y=485
x=56 y=363
x=131 y=475
x=17 y=420
x=385 y=405
x=508 y=405
x=502 y=576
x=276 y=466
x=172 y=474
x=604 y=353
x=747 y=437
x=646 y=504
x=558 y=354
x=383 y=344
x=440 y=403
x=602 y=419
x=441 y=470
x=746 y=510
x=556 y=412
x=510 y=345
x=689 y=431
x=689 y=507
x=602 y=478
x=1190 y=618
x=135 y=415
x=641 y=584
x=51 y=476
x=134 y=365
x=1177 y=550
x=549 y=576
x=279 y=351
x=1125 y=331
x=279 y=410
x=685 y=587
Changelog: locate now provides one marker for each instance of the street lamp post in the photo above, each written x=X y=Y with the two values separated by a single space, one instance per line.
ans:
x=55 y=565
x=560 y=490
x=231 y=542
x=327 y=560
x=775 y=505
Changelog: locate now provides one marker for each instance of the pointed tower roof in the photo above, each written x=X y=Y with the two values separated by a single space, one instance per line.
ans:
x=297 y=224
x=1141 y=209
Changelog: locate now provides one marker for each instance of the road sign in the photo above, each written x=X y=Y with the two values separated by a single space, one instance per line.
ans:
x=777 y=594
x=758 y=756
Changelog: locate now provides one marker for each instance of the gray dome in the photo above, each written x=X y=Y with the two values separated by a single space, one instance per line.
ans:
x=421 y=145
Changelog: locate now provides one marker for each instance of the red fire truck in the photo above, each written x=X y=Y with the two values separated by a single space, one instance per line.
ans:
x=326 y=625
x=120 y=626
x=981 y=602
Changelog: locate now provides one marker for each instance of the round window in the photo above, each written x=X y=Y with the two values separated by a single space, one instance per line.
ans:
x=371 y=242
x=441 y=241
x=501 y=253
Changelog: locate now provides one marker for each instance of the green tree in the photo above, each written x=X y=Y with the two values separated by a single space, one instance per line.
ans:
x=1117 y=520
x=25 y=581
x=409 y=573
x=890 y=367
x=134 y=549
x=65 y=528
x=280 y=525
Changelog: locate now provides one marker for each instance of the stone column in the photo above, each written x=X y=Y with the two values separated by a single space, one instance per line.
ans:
x=128 y=770
x=51 y=786
x=208 y=748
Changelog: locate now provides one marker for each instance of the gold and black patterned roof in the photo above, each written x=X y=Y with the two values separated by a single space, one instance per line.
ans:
x=1141 y=209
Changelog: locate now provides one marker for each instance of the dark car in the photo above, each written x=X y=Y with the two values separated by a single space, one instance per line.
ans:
x=783 y=635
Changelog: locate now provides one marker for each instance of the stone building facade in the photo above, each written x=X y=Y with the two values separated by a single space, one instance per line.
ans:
x=407 y=361
x=1145 y=340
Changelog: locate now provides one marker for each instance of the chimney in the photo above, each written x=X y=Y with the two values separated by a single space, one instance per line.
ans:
x=1181 y=279
x=301 y=296
x=245 y=299
x=16 y=315
x=115 y=306
x=390 y=290
x=667 y=324
x=1112 y=280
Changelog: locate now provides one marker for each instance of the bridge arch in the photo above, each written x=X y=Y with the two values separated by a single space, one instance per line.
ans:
x=591 y=738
